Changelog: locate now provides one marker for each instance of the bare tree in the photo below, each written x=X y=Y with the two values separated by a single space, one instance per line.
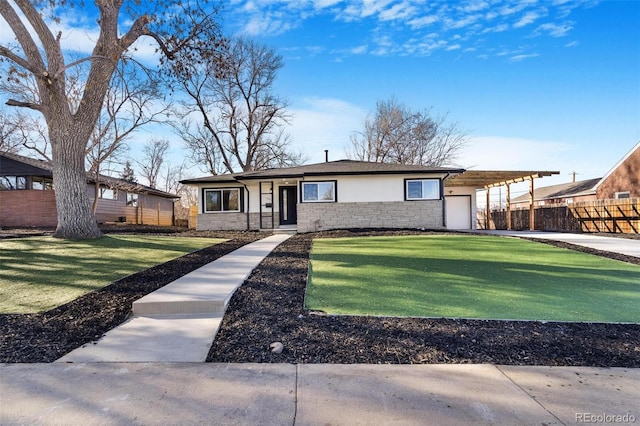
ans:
x=130 y=103
x=242 y=119
x=204 y=150
x=183 y=33
x=396 y=134
x=172 y=176
x=20 y=131
x=12 y=135
x=153 y=156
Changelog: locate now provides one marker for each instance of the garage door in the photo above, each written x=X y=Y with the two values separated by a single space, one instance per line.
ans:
x=458 y=211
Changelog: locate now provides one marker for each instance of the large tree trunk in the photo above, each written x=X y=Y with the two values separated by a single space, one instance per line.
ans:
x=75 y=215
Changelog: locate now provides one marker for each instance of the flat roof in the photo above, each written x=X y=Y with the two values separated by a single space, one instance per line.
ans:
x=493 y=178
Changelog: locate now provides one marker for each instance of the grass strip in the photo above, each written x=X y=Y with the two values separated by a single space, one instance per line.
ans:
x=469 y=276
x=40 y=273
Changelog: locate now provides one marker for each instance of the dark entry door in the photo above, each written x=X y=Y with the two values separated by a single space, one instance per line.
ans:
x=288 y=199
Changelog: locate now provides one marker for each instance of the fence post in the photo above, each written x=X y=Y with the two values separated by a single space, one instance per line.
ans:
x=508 y=213
x=487 y=216
x=532 y=220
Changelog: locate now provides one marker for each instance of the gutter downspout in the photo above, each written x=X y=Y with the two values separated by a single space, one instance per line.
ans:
x=444 y=209
x=248 y=205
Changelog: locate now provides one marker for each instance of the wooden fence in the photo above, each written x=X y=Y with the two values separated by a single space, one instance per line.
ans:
x=193 y=217
x=617 y=216
x=612 y=216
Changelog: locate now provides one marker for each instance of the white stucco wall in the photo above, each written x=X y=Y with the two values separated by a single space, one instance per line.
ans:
x=355 y=191
x=358 y=189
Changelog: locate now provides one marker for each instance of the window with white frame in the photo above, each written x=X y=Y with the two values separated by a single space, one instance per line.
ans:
x=422 y=189
x=222 y=200
x=623 y=194
x=319 y=192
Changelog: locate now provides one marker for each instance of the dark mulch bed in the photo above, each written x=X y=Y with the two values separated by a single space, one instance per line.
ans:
x=268 y=307
x=47 y=336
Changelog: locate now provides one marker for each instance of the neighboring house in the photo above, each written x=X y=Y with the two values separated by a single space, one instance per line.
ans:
x=560 y=194
x=335 y=195
x=622 y=181
x=27 y=197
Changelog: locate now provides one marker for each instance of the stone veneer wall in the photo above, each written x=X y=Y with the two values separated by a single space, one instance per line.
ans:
x=410 y=214
x=222 y=222
x=227 y=221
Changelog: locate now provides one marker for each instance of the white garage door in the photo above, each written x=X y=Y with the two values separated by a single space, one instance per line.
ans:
x=458 y=211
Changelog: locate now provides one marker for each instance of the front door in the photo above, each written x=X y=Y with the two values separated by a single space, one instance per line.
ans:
x=288 y=200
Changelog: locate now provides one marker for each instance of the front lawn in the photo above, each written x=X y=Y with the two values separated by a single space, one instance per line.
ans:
x=39 y=273
x=469 y=276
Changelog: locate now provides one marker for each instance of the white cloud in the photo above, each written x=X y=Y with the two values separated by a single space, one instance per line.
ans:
x=473 y=6
x=320 y=4
x=269 y=24
x=517 y=58
x=404 y=20
x=358 y=50
x=369 y=7
x=398 y=11
x=461 y=22
x=528 y=18
x=554 y=30
x=423 y=21
x=497 y=29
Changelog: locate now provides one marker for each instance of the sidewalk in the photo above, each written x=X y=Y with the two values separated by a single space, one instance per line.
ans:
x=315 y=394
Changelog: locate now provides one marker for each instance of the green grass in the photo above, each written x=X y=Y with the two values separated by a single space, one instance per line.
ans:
x=469 y=276
x=40 y=273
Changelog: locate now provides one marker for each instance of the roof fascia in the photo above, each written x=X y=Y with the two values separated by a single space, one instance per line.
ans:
x=618 y=164
x=350 y=173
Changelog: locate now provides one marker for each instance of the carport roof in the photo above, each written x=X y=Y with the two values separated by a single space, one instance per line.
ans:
x=494 y=178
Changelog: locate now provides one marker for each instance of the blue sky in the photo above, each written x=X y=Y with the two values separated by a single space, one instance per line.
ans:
x=538 y=84
x=542 y=85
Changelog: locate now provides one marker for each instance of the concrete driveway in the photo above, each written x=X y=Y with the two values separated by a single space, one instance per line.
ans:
x=627 y=246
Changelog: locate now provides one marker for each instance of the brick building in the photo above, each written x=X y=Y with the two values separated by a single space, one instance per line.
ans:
x=27 y=197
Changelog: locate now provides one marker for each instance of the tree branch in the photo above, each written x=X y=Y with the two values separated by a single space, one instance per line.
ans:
x=15 y=103
x=24 y=37
x=74 y=63
x=20 y=61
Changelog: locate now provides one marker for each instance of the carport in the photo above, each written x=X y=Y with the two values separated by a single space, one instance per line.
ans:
x=487 y=179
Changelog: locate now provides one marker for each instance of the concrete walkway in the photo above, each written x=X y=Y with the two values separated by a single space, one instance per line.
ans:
x=315 y=394
x=178 y=322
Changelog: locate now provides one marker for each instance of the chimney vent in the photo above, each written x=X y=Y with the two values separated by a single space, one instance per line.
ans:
x=326 y=155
